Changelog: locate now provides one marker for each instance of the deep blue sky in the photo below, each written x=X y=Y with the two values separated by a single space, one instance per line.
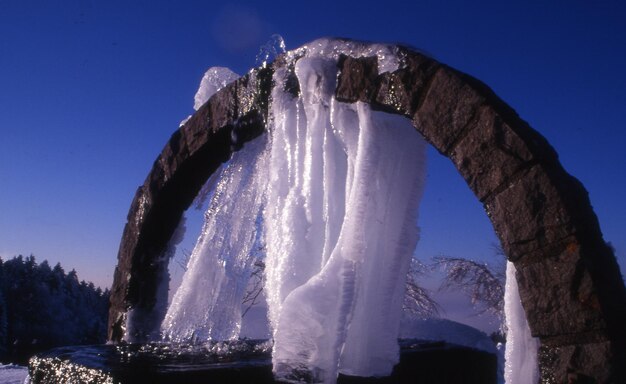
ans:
x=91 y=90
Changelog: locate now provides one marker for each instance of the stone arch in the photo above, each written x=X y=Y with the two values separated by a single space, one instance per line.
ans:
x=571 y=288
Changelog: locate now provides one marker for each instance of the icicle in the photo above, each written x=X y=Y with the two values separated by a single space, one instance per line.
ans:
x=207 y=305
x=214 y=79
x=521 y=348
x=338 y=308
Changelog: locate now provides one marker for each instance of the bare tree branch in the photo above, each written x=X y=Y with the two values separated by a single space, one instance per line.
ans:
x=417 y=300
x=255 y=286
x=484 y=287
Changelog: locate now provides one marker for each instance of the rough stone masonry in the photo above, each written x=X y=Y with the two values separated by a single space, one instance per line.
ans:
x=569 y=281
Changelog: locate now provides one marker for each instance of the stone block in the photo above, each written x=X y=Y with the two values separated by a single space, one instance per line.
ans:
x=402 y=91
x=222 y=106
x=357 y=79
x=555 y=288
x=446 y=110
x=580 y=363
x=490 y=154
x=535 y=211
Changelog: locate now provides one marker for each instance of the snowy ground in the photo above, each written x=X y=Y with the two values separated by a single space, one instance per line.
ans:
x=12 y=374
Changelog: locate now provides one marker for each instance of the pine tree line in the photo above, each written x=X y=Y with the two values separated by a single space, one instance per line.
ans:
x=43 y=307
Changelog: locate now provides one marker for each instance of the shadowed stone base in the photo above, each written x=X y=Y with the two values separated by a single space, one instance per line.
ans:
x=250 y=362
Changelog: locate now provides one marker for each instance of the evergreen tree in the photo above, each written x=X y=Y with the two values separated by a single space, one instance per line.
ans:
x=42 y=307
x=3 y=315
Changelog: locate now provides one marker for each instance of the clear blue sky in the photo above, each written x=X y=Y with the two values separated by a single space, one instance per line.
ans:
x=91 y=90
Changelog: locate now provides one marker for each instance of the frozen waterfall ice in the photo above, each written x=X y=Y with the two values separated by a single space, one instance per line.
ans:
x=521 y=366
x=207 y=305
x=344 y=188
x=329 y=197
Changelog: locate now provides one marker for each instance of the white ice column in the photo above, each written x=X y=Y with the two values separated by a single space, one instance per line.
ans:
x=520 y=366
x=343 y=195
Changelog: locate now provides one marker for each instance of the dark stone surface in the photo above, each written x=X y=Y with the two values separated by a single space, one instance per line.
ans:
x=569 y=281
x=531 y=213
x=420 y=361
x=490 y=154
x=403 y=91
x=358 y=80
x=449 y=106
x=153 y=363
x=580 y=363
x=556 y=288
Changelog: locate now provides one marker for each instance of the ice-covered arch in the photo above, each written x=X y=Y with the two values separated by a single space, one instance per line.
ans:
x=569 y=282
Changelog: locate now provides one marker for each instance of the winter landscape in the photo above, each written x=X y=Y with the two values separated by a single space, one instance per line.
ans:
x=322 y=174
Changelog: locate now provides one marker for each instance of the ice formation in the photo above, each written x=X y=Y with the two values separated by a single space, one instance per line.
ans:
x=330 y=198
x=520 y=356
x=345 y=183
x=207 y=305
x=269 y=51
x=214 y=79
x=13 y=374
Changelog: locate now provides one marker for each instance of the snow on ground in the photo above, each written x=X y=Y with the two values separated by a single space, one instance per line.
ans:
x=13 y=374
x=447 y=330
